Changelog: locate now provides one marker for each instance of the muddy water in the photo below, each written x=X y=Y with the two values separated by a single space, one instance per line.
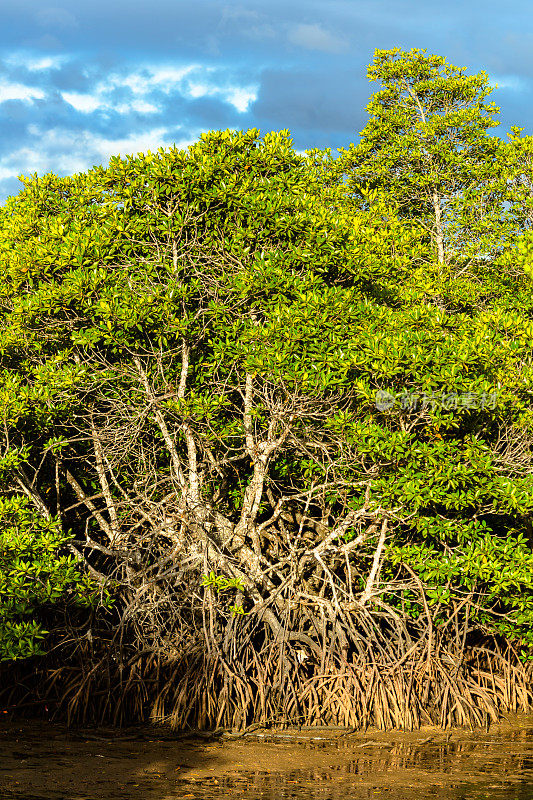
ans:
x=40 y=761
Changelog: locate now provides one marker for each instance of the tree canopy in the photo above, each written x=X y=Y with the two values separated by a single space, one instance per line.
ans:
x=267 y=422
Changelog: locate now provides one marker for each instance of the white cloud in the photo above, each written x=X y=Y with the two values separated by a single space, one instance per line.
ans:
x=66 y=150
x=137 y=143
x=315 y=37
x=45 y=63
x=86 y=103
x=58 y=150
x=164 y=78
x=167 y=77
x=34 y=64
x=513 y=82
x=140 y=106
x=129 y=145
x=241 y=98
x=8 y=172
x=196 y=90
x=192 y=81
x=54 y=151
x=18 y=91
x=61 y=151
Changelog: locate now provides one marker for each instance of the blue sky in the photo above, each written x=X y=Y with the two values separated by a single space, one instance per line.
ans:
x=81 y=81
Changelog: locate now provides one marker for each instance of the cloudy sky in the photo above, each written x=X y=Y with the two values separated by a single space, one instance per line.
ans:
x=81 y=81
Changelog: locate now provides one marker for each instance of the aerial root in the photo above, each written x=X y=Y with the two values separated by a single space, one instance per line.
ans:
x=380 y=680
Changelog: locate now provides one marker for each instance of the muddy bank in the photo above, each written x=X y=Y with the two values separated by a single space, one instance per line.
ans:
x=40 y=761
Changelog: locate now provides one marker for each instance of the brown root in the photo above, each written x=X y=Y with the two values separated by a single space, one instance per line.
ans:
x=355 y=670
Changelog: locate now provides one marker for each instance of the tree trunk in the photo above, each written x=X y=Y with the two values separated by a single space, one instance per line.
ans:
x=439 y=234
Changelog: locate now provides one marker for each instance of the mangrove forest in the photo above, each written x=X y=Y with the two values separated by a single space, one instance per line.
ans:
x=267 y=425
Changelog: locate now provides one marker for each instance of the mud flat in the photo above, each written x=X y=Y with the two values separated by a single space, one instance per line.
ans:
x=45 y=761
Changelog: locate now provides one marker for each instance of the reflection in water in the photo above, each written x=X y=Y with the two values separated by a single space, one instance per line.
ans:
x=470 y=770
x=51 y=763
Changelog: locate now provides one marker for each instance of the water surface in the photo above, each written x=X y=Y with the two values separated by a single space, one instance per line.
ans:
x=40 y=761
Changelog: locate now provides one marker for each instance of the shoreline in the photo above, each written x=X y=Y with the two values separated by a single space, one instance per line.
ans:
x=51 y=762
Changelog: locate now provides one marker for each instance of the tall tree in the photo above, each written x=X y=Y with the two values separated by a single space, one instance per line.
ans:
x=427 y=140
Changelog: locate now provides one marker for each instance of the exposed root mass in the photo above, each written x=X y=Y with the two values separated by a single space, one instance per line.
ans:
x=354 y=671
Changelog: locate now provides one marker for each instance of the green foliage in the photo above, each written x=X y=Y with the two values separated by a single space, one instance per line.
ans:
x=259 y=262
x=221 y=584
x=426 y=143
x=34 y=576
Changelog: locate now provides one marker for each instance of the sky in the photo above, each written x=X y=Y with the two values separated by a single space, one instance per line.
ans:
x=82 y=81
